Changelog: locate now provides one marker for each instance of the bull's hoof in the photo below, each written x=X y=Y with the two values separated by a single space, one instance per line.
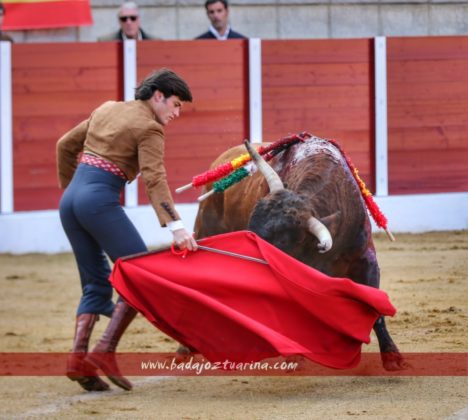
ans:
x=294 y=363
x=183 y=353
x=393 y=361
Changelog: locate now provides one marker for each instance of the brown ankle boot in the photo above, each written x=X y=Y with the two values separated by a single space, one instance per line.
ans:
x=103 y=355
x=77 y=370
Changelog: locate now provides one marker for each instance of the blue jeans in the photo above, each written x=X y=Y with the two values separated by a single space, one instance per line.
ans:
x=96 y=224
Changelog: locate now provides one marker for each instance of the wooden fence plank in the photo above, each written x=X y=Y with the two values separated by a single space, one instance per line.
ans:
x=156 y=54
x=66 y=55
x=316 y=51
x=320 y=74
x=416 y=72
x=427 y=48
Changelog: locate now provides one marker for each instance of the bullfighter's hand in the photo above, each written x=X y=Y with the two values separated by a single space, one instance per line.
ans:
x=184 y=240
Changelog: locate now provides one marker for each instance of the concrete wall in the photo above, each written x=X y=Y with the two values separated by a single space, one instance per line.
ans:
x=280 y=19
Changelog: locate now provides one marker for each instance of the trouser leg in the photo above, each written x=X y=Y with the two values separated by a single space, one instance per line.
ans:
x=93 y=267
x=96 y=295
x=118 y=237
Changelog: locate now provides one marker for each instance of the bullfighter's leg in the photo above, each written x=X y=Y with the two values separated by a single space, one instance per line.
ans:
x=96 y=295
x=96 y=225
x=118 y=237
x=366 y=271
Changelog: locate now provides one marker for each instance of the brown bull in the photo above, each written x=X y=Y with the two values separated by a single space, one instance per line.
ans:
x=310 y=207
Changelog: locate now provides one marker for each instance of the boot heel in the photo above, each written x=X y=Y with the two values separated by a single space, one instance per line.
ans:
x=103 y=355
x=77 y=369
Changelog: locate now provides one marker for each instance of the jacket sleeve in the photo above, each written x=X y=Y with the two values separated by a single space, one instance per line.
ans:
x=68 y=148
x=153 y=172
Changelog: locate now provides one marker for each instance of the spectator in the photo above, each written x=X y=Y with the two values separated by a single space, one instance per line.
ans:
x=129 y=20
x=218 y=14
x=3 y=36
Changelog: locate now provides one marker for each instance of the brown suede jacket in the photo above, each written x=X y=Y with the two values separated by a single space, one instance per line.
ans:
x=126 y=134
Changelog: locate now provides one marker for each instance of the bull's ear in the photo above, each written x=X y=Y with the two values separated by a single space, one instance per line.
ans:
x=332 y=221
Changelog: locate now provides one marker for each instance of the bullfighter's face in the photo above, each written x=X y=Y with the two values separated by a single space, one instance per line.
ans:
x=165 y=109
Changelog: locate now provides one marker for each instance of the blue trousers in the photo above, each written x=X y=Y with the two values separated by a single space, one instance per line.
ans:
x=96 y=224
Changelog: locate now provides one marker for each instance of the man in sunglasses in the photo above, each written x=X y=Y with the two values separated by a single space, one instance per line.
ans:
x=129 y=21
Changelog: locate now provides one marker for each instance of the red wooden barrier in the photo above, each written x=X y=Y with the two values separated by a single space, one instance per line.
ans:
x=324 y=87
x=55 y=86
x=428 y=114
x=217 y=73
x=321 y=86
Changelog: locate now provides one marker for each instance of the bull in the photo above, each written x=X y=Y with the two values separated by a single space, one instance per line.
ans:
x=308 y=204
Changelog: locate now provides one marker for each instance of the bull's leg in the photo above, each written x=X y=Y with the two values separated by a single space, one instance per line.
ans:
x=366 y=271
x=389 y=353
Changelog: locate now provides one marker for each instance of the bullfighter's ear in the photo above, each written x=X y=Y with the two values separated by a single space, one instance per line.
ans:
x=332 y=221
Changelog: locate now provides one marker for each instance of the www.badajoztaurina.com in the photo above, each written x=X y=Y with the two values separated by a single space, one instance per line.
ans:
x=199 y=366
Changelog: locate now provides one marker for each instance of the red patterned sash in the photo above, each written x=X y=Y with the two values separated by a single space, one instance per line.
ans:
x=99 y=162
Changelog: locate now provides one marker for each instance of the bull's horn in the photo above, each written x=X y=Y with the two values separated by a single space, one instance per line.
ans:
x=320 y=231
x=271 y=177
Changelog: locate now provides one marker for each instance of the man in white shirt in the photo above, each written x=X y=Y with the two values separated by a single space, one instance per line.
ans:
x=218 y=14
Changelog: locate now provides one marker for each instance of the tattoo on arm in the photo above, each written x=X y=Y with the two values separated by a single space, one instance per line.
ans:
x=169 y=210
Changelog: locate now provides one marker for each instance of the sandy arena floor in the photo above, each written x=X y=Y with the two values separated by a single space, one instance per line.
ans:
x=426 y=276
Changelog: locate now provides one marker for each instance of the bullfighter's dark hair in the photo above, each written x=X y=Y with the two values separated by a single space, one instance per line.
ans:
x=167 y=82
x=208 y=2
x=2 y=9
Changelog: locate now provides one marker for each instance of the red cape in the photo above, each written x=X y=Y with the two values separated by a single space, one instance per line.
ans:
x=232 y=309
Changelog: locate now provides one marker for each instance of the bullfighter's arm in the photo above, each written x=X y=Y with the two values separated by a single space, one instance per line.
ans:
x=69 y=146
x=153 y=172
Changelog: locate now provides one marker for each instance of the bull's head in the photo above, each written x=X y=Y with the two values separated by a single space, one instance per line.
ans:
x=282 y=217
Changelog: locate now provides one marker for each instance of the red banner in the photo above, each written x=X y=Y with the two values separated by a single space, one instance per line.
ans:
x=31 y=14
x=170 y=364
